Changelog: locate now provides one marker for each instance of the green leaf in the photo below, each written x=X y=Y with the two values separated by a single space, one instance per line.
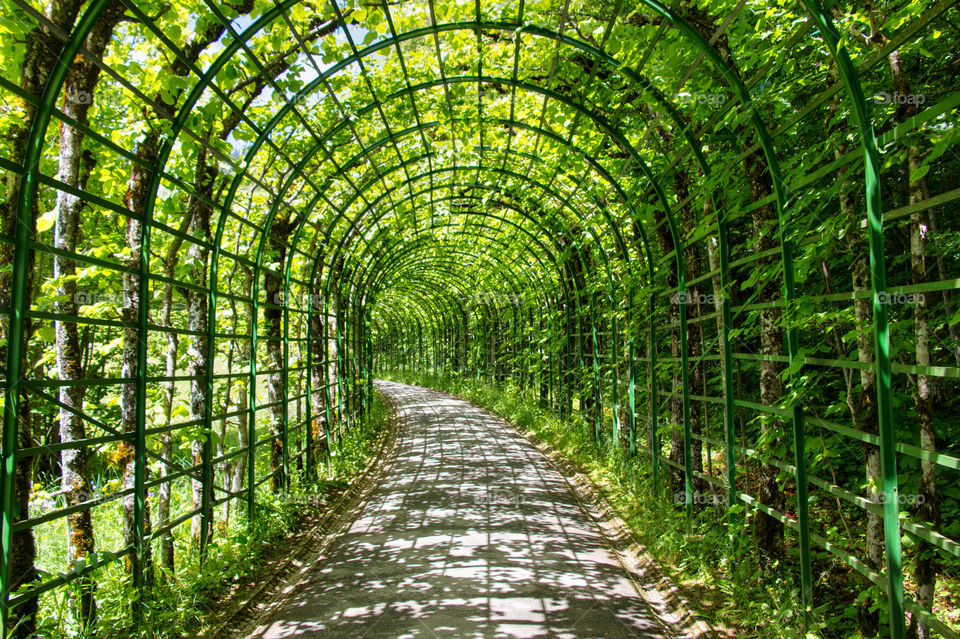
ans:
x=46 y=221
x=955 y=318
x=919 y=173
x=796 y=364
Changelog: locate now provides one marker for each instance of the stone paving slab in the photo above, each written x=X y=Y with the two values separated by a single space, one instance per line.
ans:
x=471 y=534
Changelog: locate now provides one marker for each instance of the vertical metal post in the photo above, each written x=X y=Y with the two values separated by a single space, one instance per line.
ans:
x=285 y=387
x=685 y=399
x=597 y=404
x=654 y=401
x=615 y=400
x=308 y=405
x=327 y=363
x=729 y=410
x=878 y=276
x=631 y=396
x=252 y=406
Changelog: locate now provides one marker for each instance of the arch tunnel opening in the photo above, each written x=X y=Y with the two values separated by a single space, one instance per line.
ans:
x=718 y=238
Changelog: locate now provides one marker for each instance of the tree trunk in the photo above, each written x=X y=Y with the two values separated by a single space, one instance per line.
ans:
x=692 y=270
x=273 y=314
x=165 y=489
x=74 y=168
x=40 y=56
x=666 y=243
x=75 y=479
x=319 y=377
x=925 y=569
x=243 y=439
x=135 y=199
x=199 y=212
x=333 y=368
x=767 y=530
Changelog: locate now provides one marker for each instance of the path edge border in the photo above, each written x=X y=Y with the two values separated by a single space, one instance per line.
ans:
x=672 y=611
x=248 y=617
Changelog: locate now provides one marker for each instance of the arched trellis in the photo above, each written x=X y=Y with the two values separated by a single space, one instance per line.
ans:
x=860 y=109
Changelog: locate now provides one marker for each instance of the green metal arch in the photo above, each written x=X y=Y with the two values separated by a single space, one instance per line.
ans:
x=877 y=270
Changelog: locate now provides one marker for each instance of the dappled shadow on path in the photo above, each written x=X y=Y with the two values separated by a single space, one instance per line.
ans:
x=472 y=534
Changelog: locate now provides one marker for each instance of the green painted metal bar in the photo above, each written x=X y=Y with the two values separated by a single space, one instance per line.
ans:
x=631 y=396
x=878 y=276
x=598 y=404
x=285 y=382
x=615 y=380
x=654 y=404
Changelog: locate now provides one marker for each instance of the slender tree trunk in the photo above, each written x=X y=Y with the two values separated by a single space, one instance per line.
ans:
x=768 y=530
x=319 y=376
x=676 y=400
x=74 y=168
x=222 y=435
x=243 y=439
x=864 y=408
x=199 y=212
x=925 y=569
x=693 y=267
x=713 y=263
x=135 y=199
x=333 y=368
x=273 y=314
x=75 y=478
x=171 y=355
x=165 y=489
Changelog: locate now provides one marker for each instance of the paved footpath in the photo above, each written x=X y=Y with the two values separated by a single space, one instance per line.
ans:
x=471 y=534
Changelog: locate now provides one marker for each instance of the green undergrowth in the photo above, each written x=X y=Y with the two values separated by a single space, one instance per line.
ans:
x=180 y=605
x=697 y=555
